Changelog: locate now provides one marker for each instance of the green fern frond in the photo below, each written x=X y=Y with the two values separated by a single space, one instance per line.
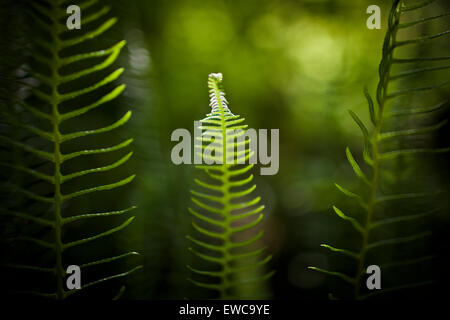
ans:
x=46 y=108
x=226 y=211
x=378 y=152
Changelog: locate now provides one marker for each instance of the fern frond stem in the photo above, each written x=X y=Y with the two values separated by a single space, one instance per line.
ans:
x=368 y=221
x=229 y=249
x=227 y=240
x=386 y=66
x=54 y=101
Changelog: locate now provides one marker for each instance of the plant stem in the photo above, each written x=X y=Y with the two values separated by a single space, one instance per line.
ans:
x=367 y=224
x=227 y=241
x=60 y=294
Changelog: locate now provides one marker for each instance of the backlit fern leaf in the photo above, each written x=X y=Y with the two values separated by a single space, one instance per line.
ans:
x=379 y=151
x=46 y=111
x=225 y=212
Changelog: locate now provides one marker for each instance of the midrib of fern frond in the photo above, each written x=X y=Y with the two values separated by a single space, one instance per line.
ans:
x=382 y=93
x=55 y=119
x=215 y=87
x=220 y=116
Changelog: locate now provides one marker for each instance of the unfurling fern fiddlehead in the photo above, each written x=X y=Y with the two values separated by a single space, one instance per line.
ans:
x=47 y=110
x=223 y=214
x=384 y=146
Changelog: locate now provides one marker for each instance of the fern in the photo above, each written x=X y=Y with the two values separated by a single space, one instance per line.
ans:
x=49 y=16
x=383 y=146
x=223 y=209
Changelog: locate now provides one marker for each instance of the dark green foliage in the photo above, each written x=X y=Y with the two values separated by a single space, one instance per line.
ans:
x=59 y=71
x=225 y=211
x=391 y=218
